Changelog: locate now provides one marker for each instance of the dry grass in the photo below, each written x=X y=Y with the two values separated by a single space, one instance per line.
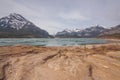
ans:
x=103 y=49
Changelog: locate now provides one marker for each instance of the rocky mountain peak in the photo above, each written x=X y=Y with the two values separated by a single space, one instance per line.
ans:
x=15 y=25
x=16 y=16
x=93 y=31
x=113 y=32
x=13 y=20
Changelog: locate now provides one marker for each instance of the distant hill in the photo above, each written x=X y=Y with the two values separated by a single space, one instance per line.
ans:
x=16 y=26
x=113 y=32
x=86 y=33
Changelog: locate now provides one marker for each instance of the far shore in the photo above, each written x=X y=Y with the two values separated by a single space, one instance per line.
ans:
x=109 y=42
x=113 y=40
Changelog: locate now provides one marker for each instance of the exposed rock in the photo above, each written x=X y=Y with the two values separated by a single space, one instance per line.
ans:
x=113 y=32
x=15 y=25
x=88 y=32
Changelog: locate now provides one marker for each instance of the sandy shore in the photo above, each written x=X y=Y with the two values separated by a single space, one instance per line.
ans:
x=88 y=62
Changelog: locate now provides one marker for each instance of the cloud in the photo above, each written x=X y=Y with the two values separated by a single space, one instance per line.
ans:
x=73 y=15
x=5 y=7
x=50 y=25
x=55 y=15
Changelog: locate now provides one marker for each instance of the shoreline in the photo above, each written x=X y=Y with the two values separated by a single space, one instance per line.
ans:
x=22 y=62
x=109 y=42
x=105 y=41
x=113 y=40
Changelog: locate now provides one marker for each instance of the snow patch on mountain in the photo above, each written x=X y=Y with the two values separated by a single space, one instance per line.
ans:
x=88 y=32
x=15 y=25
x=15 y=21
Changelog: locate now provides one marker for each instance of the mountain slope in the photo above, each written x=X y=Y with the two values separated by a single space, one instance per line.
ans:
x=88 y=32
x=113 y=32
x=16 y=26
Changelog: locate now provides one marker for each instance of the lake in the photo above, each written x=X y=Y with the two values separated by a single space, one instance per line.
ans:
x=50 y=41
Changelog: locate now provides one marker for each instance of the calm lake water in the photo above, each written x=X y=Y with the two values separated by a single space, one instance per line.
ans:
x=50 y=42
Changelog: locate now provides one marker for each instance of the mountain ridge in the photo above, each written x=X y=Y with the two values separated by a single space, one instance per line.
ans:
x=16 y=26
x=113 y=32
x=93 y=31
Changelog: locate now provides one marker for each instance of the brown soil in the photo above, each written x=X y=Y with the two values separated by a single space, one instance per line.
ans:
x=60 y=63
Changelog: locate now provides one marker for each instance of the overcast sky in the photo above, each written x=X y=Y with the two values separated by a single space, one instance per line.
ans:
x=56 y=15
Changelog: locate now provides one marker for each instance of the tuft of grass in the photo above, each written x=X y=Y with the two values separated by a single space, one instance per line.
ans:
x=105 y=48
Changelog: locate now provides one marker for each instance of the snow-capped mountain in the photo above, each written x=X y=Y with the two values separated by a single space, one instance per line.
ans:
x=72 y=30
x=14 y=20
x=88 y=32
x=113 y=32
x=15 y=25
